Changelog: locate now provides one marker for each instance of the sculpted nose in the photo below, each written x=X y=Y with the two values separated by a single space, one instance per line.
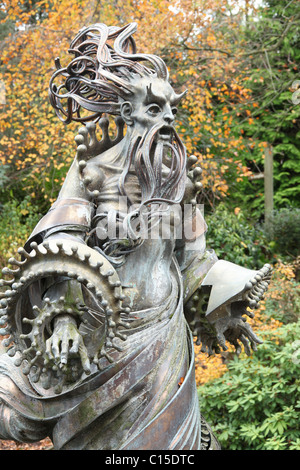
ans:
x=169 y=117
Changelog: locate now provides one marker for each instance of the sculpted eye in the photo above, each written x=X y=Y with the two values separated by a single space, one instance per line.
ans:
x=154 y=110
x=174 y=110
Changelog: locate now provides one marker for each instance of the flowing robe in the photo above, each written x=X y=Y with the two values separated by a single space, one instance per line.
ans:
x=145 y=399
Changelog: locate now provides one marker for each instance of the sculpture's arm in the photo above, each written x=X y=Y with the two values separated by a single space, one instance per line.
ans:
x=218 y=295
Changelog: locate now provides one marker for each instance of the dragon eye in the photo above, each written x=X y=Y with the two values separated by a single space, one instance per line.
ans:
x=174 y=110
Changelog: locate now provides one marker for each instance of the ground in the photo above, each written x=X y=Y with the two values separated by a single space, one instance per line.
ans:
x=45 y=444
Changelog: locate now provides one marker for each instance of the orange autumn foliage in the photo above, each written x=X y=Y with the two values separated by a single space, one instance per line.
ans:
x=39 y=149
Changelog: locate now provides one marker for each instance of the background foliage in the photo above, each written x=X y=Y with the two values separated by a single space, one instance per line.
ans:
x=239 y=61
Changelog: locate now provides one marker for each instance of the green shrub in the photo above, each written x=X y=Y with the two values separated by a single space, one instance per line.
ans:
x=283 y=297
x=286 y=232
x=18 y=219
x=236 y=239
x=255 y=405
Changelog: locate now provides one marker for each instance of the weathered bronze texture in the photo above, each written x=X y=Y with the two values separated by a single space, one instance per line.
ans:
x=100 y=308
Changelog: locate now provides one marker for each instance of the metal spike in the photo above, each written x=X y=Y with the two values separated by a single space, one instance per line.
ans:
x=24 y=253
x=7 y=271
x=121 y=336
x=116 y=284
x=46 y=244
x=108 y=273
x=122 y=323
x=18 y=361
x=27 y=320
x=28 y=350
x=118 y=347
x=23 y=336
x=191 y=161
x=3 y=319
x=108 y=357
x=252 y=304
x=16 y=262
x=26 y=369
x=82 y=164
x=87 y=180
x=11 y=351
x=119 y=296
x=4 y=331
x=43 y=248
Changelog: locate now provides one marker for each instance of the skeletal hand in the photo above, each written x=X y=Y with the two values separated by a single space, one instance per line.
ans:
x=66 y=342
x=234 y=329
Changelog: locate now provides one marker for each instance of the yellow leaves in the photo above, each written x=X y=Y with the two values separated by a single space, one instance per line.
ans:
x=24 y=211
x=207 y=368
x=285 y=270
x=45 y=145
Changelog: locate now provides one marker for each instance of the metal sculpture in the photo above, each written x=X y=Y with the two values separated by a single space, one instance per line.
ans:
x=99 y=308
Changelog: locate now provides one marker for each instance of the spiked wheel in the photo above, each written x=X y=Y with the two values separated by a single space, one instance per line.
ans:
x=28 y=318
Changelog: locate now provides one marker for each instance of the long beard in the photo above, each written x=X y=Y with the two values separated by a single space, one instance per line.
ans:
x=160 y=167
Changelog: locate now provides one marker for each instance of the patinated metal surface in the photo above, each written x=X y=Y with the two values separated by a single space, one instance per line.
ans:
x=99 y=307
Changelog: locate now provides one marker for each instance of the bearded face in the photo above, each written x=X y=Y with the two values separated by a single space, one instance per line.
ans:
x=156 y=152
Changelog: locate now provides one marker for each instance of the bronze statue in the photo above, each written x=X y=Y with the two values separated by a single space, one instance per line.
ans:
x=100 y=309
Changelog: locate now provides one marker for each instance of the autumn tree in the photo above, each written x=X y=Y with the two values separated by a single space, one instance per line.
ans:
x=36 y=150
x=272 y=54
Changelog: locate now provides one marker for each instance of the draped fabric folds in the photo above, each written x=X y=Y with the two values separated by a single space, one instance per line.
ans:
x=146 y=399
